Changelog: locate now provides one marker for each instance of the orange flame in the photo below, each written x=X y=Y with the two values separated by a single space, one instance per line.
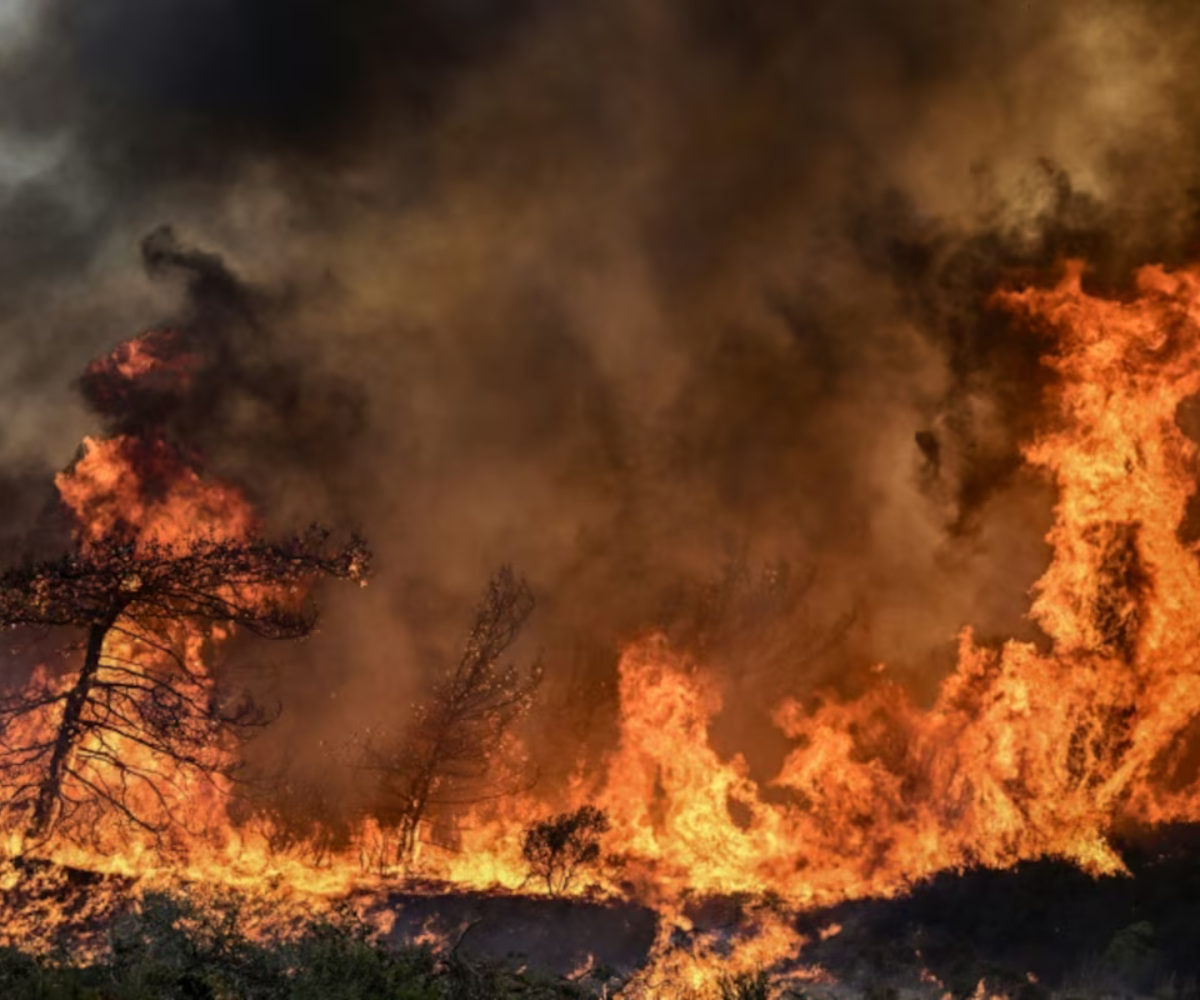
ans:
x=1024 y=752
x=145 y=487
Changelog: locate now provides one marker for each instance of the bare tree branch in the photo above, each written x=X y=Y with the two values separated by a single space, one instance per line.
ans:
x=114 y=732
x=455 y=751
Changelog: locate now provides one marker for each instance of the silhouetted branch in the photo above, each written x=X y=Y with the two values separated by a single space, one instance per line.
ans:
x=112 y=733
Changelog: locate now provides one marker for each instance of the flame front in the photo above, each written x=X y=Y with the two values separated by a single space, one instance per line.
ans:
x=1025 y=751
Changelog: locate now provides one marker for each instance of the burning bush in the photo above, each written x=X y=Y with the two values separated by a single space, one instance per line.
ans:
x=560 y=849
x=745 y=986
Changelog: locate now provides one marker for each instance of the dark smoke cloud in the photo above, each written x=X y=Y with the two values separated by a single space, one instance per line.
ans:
x=622 y=292
x=250 y=403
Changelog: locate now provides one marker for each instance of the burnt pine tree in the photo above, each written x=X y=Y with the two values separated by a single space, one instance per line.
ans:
x=112 y=733
x=454 y=751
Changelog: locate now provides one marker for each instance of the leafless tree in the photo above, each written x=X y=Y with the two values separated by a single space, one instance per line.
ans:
x=139 y=709
x=454 y=752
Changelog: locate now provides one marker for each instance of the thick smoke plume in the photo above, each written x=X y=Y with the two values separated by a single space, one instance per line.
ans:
x=631 y=294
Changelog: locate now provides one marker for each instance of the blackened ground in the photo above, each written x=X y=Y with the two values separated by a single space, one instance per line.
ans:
x=1046 y=918
x=53 y=909
x=550 y=936
x=1040 y=927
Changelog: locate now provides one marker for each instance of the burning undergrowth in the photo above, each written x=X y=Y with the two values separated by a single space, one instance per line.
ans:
x=122 y=755
x=620 y=296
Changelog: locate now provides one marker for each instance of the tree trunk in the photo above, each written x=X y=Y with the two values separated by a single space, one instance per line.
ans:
x=411 y=822
x=50 y=791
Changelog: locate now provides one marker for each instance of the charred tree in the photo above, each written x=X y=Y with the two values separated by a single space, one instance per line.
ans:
x=140 y=708
x=454 y=752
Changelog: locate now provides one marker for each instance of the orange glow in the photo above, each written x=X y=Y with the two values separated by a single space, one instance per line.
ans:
x=107 y=490
x=1023 y=753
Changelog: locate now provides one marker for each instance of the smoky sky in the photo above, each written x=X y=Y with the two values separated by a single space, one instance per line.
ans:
x=624 y=293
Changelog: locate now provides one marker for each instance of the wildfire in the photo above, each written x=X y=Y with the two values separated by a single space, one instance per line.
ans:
x=1024 y=752
x=146 y=488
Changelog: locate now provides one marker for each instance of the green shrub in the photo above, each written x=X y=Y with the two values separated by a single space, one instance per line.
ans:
x=337 y=958
x=175 y=948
